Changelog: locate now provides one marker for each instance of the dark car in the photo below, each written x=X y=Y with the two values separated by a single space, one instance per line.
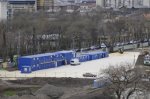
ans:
x=89 y=75
x=85 y=49
x=77 y=50
x=98 y=47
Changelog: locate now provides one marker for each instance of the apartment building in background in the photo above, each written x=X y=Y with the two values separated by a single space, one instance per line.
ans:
x=123 y=3
x=3 y=10
x=16 y=6
x=45 y=4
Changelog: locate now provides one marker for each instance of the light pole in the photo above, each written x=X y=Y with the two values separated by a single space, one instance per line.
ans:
x=73 y=42
x=18 y=47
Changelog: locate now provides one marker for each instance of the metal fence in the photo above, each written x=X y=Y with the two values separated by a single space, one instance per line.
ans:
x=17 y=74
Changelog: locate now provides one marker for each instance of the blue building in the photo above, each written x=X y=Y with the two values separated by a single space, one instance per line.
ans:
x=27 y=64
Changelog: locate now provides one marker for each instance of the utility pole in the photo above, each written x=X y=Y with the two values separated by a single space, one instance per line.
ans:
x=73 y=43
x=104 y=3
x=129 y=3
x=18 y=52
x=115 y=4
x=132 y=3
x=123 y=3
x=119 y=3
x=110 y=3
x=149 y=3
x=142 y=2
x=52 y=3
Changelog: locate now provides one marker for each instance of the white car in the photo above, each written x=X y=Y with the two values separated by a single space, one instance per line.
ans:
x=132 y=41
x=118 y=44
x=103 y=45
x=92 y=47
x=75 y=61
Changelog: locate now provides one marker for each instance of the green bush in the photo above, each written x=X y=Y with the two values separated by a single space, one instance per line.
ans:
x=146 y=52
x=9 y=93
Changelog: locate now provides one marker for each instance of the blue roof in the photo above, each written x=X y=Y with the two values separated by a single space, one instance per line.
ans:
x=31 y=56
x=38 y=55
x=65 y=51
x=46 y=54
x=21 y=0
x=89 y=1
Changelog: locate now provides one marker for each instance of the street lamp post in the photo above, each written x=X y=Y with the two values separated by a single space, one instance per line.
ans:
x=18 y=47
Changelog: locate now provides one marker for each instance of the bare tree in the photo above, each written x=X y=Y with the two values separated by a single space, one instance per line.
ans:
x=3 y=33
x=75 y=30
x=124 y=80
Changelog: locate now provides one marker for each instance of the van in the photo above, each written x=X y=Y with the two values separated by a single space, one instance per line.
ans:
x=147 y=60
x=75 y=61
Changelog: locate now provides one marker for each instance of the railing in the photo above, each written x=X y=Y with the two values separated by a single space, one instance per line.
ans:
x=132 y=46
x=17 y=74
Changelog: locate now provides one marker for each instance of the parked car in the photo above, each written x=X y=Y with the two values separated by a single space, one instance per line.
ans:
x=126 y=43
x=89 y=75
x=131 y=42
x=122 y=44
x=97 y=47
x=93 y=47
x=121 y=50
x=77 y=50
x=118 y=44
x=147 y=60
x=103 y=45
x=85 y=49
x=75 y=61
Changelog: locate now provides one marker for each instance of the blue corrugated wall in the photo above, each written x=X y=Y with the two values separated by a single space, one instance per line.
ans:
x=56 y=59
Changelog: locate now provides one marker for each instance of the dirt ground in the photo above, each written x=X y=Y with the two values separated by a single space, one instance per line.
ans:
x=74 y=88
x=140 y=60
x=70 y=86
x=65 y=82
